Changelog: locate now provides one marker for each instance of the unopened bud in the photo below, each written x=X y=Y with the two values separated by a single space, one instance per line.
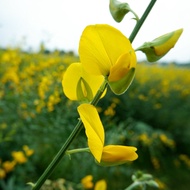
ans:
x=160 y=46
x=118 y=10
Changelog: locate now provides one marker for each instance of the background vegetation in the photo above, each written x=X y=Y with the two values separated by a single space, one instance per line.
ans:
x=36 y=118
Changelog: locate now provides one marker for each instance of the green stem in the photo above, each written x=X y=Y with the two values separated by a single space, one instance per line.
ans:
x=65 y=146
x=141 y=21
x=77 y=150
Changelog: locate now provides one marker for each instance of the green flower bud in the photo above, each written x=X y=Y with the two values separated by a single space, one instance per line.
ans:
x=118 y=10
x=84 y=92
x=160 y=46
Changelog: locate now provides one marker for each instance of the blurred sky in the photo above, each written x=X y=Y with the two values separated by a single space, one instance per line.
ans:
x=59 y=23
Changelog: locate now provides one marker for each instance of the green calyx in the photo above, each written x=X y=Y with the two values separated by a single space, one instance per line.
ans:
x=120 y=86
x=84 y=92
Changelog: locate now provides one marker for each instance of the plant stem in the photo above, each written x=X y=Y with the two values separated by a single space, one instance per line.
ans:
x=58 y=157
x=141 y=21
x=65 y=146
x=69 y=152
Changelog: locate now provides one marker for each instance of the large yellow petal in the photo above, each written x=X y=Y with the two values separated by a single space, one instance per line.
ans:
x=117 y=154
x=93 y=128
x=100 y=47
x=72 y=76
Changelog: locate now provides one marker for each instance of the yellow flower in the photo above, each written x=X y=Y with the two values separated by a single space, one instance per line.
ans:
x=19 y=157
x=2 y=173
x=105 y=51
x=27 y=150
x=87 y=182
x=104 y=155
x=8 y=166
x=100 y=185
x=79 y=85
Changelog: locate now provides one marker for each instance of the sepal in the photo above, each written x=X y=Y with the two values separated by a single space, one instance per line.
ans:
x=84 y=92
x=120 y=86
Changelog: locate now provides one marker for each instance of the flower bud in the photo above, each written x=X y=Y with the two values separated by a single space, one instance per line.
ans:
x=118 y=10
x=160 y=46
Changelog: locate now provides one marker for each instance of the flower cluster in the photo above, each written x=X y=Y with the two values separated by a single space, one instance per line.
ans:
x=18 y=157
x=87 y=183
x=106 y=57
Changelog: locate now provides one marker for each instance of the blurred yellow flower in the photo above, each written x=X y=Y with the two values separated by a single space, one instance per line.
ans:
x=87 y=182
x=19 y=157
x=155 y=162
x=100 y=185
x=145 y=139
x=104 y=155
x=27 y=150
x=8 y=166
x=2 y=173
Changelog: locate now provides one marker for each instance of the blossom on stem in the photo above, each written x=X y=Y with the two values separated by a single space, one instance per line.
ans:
x=105 y=51
x=105 y=155
x=79 y=85
x=87 y=182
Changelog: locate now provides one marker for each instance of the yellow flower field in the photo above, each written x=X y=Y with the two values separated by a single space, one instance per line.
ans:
x=36 y=118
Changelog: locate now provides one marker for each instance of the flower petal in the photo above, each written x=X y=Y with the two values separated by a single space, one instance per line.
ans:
x=93 y=128
x=125 y=62
x=73 y=75
x=122 y=73
x=116 y=154
x=100 y=47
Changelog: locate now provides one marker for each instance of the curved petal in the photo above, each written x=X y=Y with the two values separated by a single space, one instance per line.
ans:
x=93 y=128
x=124 y=63
x=116 y=154
x=73 y=75
x=100 y=46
